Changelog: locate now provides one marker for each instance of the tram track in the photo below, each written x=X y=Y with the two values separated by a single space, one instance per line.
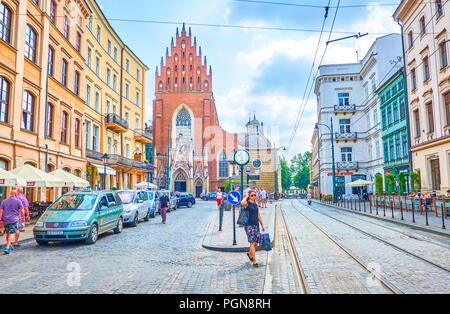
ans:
x=377 y=238
x=388 y=287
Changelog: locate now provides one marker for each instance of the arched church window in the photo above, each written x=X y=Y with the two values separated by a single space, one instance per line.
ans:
x=223 y=166
x=184 y=124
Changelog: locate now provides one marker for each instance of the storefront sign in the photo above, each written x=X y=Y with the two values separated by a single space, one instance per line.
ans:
x=31 y=184
x=2 y=181
x=340 y=174
x=387 y=172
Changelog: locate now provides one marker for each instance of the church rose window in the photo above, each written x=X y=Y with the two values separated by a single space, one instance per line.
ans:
x=184 y=124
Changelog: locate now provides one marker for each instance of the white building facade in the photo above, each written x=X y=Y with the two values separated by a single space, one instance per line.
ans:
x=346 y=94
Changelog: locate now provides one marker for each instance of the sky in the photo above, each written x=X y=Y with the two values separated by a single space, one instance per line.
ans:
x=262 y=72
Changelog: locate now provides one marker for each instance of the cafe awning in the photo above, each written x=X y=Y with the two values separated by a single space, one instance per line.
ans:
x=37 y=178
x=101 y=169
x=359 y=183
x=10 y=179
x=70 y=179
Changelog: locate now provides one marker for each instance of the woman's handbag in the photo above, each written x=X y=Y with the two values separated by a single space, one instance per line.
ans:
x=265 y=241
x=243 y=217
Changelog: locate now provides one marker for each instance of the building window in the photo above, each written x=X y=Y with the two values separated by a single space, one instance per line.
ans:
x=417 y=122
x=97 y=66
x=410 y=39
x=77 y=83
x=4 y=100
x=138 y=96
x=447 y=107
x=97 y=100
x=346 y=154
x=78 y=42
x=391 y=150
x=430 y=117
x=395 y=109
x=138 y=75
x=64 y=120
x=95 y=139
x=402 y=109
x=127 y=66
x=344 y=126
x=109 y=47
x=66 y=27
x=426 y=69
x=383 y=119
x=88 y=134
x=439 y=10
x=127 y=91
x=53 y=12
x=398 y=148
x=49 y=127
x=51 y=57
x=30 y=44
x=64 y=73
x=413 y=79
x=5 y=23
x=184 y=124
x=386 y=152
x=88 y=95
x=389 y=115
x=115 y=54
x=405 y=145
x=90 y=23
x=89 y=57
x=108 y=77
x=99 y=33
x=115 y=82
x=127 y=117
x=28 y=111
x=77 y=132
x=223 y=166
x=443 y=54
x=422 y=25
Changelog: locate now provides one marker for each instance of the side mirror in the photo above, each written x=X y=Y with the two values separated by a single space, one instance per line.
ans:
x=140 y=201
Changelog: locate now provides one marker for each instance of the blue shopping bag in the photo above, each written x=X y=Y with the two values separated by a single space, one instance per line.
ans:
x=265 y=242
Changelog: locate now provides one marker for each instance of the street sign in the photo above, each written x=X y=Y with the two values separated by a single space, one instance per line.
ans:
x=234 y=198
x=248 y=169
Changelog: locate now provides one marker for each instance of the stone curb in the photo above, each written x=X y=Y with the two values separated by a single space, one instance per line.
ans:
x=236 y=249
x=417 y=227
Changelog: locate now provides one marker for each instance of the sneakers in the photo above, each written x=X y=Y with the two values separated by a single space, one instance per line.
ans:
x=7 y=250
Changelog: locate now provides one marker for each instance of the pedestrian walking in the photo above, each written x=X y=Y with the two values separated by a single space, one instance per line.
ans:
x=25 y=205
x=164 y=204
x=11 y=211
x=246 y=190
x=264 y=198
x=252 y=226
x=219 y=198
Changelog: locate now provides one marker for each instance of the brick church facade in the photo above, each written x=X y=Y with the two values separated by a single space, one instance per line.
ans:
x=185 y=118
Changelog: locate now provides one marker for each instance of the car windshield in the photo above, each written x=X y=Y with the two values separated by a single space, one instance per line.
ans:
x=74 y=202
x=150 y=195
x=127 y=197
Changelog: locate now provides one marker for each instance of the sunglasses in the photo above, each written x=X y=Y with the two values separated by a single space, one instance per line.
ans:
x=252 y=194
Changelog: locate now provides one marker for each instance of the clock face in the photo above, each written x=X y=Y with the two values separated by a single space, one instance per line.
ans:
x=241 y=157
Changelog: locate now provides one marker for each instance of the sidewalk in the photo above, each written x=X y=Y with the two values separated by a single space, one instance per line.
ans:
x=26 y=236
x=223 y=240
x=434 y=223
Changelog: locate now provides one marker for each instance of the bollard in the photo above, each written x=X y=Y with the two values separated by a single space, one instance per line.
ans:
x=435 y=207
x=401 y=209
x=359 y=204
x=426 y=215
x=392 y=208
x=443 y=216
x=364 y=206
x=412 y=206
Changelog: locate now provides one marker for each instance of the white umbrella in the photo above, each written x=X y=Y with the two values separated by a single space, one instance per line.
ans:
x=10 y=179
x=37 y=178
x=359 y=183
x=145 y=185
x=69 y=179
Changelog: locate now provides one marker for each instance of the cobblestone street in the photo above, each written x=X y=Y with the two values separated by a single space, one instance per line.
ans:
x=157 y=258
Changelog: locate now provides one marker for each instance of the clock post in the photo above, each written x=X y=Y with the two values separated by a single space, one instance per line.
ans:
x=241 y=158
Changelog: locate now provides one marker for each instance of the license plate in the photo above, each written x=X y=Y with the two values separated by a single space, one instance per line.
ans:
x=54 y=233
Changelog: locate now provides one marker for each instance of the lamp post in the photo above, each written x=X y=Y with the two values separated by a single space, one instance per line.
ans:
x=275 y=170
x=105 y=159
x=332 y=155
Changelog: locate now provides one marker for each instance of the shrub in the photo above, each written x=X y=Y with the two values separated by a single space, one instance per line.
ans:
x=415 y=181
x=390 y=183
x=402 y=183
x=379 y=184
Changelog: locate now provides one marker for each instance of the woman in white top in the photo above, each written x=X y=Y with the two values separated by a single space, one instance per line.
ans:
x=219 y=198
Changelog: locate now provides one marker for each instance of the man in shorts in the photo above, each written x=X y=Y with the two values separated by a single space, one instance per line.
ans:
x=11 y=211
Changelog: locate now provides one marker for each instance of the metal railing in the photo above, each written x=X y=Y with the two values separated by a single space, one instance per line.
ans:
x=114 y=118
x=143 y=133
x=127 y=162
x=346 y=136
x=344 y=108
x=93 y=154
x=347 y=165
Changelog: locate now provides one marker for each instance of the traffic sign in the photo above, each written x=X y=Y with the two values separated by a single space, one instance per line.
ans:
x=248 y=169
x=234 y=198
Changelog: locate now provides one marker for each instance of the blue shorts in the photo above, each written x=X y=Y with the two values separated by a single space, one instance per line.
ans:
x=12 y=228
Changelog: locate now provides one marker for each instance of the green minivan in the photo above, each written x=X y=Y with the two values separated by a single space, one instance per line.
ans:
x=79 y=216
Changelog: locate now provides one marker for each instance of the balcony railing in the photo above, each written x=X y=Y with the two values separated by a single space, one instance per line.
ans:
x=127 y=162
x=346 y=136
x=93 y=154
x=345 y=165
x=144 y=136
x=116 y=123
x=345 y=108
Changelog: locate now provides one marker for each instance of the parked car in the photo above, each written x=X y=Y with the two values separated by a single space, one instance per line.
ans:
x=212 y=196
x=186 y=199
x=80 y=216
x=136 y=206
x=173 y=199
x=153 y=202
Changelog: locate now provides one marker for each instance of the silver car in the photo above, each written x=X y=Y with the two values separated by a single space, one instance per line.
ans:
x=136 y=206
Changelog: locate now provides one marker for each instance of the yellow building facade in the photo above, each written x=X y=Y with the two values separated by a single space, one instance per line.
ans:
x=115 y=94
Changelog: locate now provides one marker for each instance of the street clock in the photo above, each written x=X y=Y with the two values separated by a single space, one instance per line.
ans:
x=241 y=157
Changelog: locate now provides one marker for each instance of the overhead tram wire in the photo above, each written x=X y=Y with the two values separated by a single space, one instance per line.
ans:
x=314 y=59
x=305 y=100
x=315 y=6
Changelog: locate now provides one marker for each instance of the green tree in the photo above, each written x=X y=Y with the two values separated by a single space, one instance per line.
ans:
x=379 y=184
x=390 y=183
x=402 y=183
x=286 y=177
x=415 y=181
x=300 y=170
x=227 y=186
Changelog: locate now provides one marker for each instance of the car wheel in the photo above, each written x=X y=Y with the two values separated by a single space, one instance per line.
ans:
x=152 y=215
x=119 y=227
x=40 y=242
x=189 y=205
x=147 y=217
x=136 y=220
x=93 y=235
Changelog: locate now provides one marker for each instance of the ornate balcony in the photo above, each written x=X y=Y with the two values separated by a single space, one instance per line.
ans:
x=347 y=165
x=143 y=136
x=116 y=123
x=350 y=136
x=127 y=162
x=94 y=155
x=345 y=108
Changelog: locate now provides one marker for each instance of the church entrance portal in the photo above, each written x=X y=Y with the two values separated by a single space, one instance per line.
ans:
x=180 y=183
